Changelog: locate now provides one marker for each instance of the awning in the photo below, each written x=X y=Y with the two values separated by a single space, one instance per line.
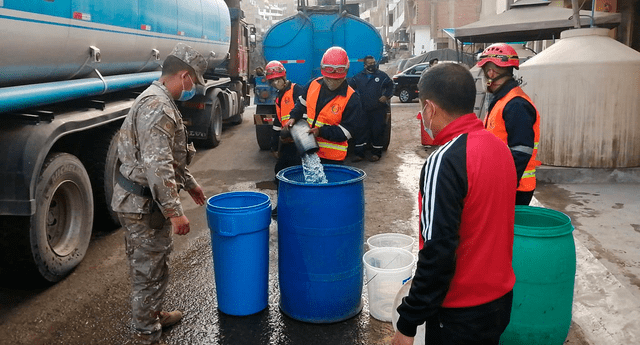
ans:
x=531 y=21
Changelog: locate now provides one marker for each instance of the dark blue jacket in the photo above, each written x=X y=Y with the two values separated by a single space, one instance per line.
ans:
x=371 y=86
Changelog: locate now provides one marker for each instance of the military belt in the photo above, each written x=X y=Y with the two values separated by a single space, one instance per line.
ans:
x=133 y=187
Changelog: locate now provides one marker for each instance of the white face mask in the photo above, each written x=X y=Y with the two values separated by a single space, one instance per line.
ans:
x=485 y=83
x=333 y=84
x=426 y=128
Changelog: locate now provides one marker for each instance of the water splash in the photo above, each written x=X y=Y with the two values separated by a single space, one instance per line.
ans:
x=312 y=169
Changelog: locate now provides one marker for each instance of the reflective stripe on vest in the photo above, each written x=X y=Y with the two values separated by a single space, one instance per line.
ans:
x=330 y=115
x=288 y=103
x=494 y=123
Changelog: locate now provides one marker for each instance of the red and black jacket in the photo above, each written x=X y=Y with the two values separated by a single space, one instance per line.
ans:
x=467 y=198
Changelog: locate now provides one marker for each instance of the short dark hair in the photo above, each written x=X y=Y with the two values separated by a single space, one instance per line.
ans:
x=173 y=65
x=368 y=57
x=450 y=86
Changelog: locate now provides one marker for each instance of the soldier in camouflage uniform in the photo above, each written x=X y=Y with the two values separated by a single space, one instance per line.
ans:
x=154 y=153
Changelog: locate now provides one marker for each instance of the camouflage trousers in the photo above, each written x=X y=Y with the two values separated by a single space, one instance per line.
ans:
x=148 y=254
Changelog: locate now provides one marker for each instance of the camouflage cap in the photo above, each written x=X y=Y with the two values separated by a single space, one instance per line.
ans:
x=192 y=58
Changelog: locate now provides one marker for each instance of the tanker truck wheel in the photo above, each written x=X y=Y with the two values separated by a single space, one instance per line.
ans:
x=387 y=131
x=214 y=133
x=111 y=165
x=101 y=161
x=263 y=135
x=60 y=229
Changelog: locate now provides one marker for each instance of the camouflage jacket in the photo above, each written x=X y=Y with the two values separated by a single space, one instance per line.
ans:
x=153 y=150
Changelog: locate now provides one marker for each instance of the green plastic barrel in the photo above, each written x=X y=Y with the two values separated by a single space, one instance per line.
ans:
x=544 y=261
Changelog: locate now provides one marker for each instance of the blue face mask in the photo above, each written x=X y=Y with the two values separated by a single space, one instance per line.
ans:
x=187 y=95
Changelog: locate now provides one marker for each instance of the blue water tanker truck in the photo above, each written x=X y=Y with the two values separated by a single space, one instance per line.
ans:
x=299 y=42
x=69 y=73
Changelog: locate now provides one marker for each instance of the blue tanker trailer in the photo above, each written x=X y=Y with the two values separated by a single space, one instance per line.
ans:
x=69 y=72
x=299 y=42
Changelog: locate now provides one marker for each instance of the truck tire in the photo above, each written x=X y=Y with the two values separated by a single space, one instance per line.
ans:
x=238 y=88
x=111 y=165
x=405 y=96
x=214 y=133
x=263 y=134
x=101 y=160
x=60 y=229
x=387 y=131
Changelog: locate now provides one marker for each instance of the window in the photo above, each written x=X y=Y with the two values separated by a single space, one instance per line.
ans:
x=419 y=69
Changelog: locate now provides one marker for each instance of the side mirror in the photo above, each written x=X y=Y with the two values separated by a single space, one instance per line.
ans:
x=252 y=38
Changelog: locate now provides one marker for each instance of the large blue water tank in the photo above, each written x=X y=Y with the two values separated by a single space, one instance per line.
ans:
x=300 y=41
x=46 y=41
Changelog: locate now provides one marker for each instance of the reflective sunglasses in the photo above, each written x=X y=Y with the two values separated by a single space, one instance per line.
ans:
x=275 y=69
x=334 y=69
x=503 y=58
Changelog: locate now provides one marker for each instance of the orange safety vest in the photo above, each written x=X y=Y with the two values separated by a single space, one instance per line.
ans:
x=330 y=115
x=287 y=103
x=494 y=123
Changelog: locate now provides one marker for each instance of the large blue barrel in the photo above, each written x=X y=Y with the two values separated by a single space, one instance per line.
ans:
x=320 y=244
x=239 y=224
x=544 y=261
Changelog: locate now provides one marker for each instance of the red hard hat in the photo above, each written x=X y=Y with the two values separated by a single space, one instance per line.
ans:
x=501 y=54
x=335 y=63
x=274 y=69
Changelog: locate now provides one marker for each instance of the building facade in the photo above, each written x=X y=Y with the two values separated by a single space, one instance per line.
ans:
x=419 y=26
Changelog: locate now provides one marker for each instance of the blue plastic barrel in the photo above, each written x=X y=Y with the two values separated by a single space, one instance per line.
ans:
x=239 y=224
x=320 y=244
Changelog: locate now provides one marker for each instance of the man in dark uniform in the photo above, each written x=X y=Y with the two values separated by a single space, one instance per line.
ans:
x=375 y=89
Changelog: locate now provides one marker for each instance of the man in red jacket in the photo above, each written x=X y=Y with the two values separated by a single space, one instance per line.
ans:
x=463 y=285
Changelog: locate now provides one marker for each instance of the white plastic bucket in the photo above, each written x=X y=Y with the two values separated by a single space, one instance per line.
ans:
x=387 y=269
x=391 y=240
x=420 y=331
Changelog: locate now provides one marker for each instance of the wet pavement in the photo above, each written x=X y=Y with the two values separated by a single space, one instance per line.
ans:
x=204 y=324
x=606 y=306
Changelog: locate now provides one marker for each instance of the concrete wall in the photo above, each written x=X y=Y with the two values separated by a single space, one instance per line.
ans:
x=423 y=42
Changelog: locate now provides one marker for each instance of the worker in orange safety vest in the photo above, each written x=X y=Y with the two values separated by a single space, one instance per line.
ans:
x=284 y=149
x=512 y=116
x=333 y=109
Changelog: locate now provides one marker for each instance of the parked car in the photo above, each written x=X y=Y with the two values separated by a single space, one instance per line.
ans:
x=385 y=56
x=406 y=83
x=401 y=64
